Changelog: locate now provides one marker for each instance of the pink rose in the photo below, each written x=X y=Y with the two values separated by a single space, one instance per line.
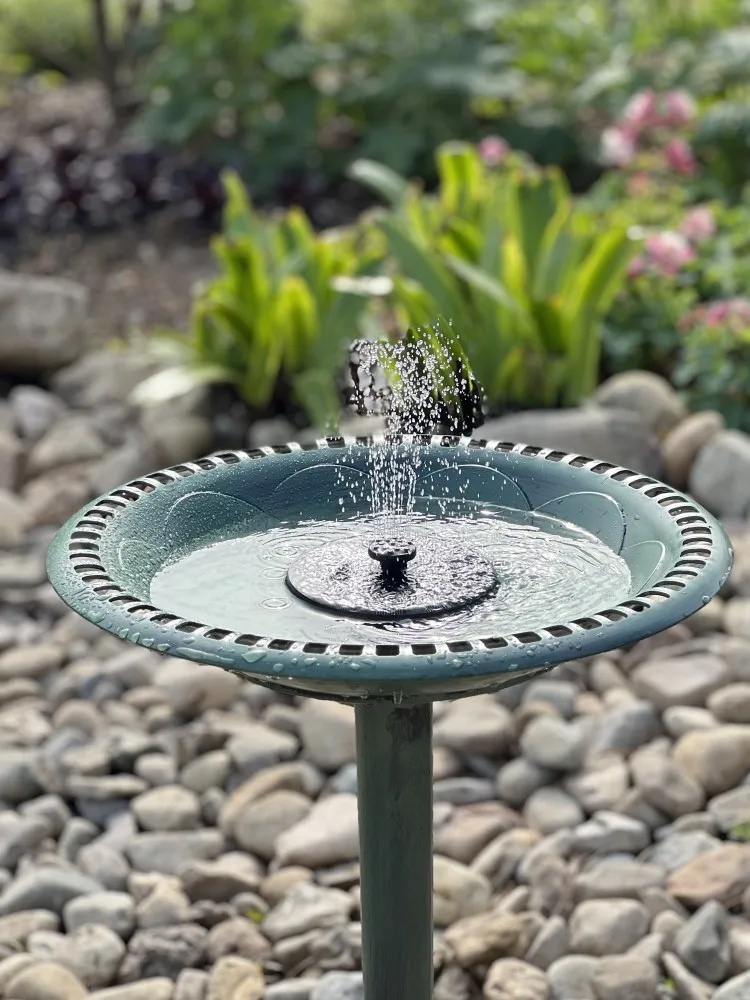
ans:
x=618 y=147
x=668 y=251
x=493 y=150
x=639 y=113
x=680 y=157
x=699 y=224
x=679 y=109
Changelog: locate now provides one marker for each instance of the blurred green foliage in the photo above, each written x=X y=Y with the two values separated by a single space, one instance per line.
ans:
x=524 y=273
x=272 y=323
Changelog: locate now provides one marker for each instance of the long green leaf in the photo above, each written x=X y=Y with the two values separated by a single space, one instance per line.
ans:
x=427 y=269
x=385 y=182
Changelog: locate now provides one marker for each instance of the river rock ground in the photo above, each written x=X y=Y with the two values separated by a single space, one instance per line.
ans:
x=170 y=833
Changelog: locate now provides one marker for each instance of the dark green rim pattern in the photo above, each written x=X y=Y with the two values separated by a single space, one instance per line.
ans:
x=415 y=671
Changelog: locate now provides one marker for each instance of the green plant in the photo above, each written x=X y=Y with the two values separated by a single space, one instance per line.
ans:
x=273 y=319
x=641 y=329
x=715 y=358
x=524 y=274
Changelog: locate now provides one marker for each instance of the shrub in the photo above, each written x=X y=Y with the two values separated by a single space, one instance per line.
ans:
x=524 y=274
x=715 y=359
x=273 y=323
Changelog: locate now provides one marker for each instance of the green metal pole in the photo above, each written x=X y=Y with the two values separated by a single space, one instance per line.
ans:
x=394 y=778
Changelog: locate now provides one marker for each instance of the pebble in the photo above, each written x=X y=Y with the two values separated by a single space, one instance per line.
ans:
x=550 y=944
x=235 y=978
x=211 y=770
x=681 y=719
x=678 y=849
x=718 y=759
x=554 y=744
x=16 y=927
x=625 y=977
x=339 y=986
x=481 y=939
x=306 y=907
x=291 y=989
x=722 y=875
x=702 y=943
x=221 y=880
x=192 y=688
x=327 y=836
x=665 y=784
x=550 y=809
x=609 y=832
x=736 y=988
x=572 y=976
x=520 y=778
x=46 y=981
x=168 y=852
x=163 y=951
x=625 y=728
x=601 y=785
x=327 y=734
x=613 y=877
x=687 y=986
x=238 y=936
x=732 y=809
x=92 y=952
x=684 y=680
x=115 y=910
x=509 y=978
x=45 y=888
x=607 y=926
x=169 y=807
x=258 y=827
x=471 y=828
x=458 y=891
x=475 y=726
x=154 y=988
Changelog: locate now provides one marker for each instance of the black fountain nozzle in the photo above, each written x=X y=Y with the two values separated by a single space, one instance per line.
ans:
x=393 y=554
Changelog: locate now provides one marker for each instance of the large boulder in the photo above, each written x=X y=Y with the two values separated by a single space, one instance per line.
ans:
x=612 y=435
x=42 y=322
x=644 y=393
x=720 y=477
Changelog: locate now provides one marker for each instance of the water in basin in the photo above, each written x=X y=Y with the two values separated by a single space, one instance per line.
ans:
x=548 y=571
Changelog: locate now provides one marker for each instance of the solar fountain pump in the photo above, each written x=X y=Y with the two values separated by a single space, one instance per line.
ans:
x=284 y=566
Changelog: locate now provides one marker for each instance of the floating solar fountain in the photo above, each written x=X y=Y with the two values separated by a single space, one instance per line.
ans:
x=494 y=562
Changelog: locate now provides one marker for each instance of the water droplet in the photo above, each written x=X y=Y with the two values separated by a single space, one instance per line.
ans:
x=163 y=647
x=705 y=599
x=278 y=667
x=254 y=655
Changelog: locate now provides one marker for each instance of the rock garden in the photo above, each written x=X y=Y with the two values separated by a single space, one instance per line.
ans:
x=168 y=831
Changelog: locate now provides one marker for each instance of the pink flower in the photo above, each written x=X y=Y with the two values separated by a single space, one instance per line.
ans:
x=732 y=313
x=639 y=113
x=618 y=147
x=668 y=251
x=637 y=266
x=638 y=184
x=493 y=150
x=679 y=109
x=699 y=224
x=680 y=157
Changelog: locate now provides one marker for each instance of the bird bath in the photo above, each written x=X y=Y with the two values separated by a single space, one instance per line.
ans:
x=271 y=564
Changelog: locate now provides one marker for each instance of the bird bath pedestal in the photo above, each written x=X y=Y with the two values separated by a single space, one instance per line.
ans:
x=264 y=563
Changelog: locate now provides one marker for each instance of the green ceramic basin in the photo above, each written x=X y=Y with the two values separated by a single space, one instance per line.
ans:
x=191 y=561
